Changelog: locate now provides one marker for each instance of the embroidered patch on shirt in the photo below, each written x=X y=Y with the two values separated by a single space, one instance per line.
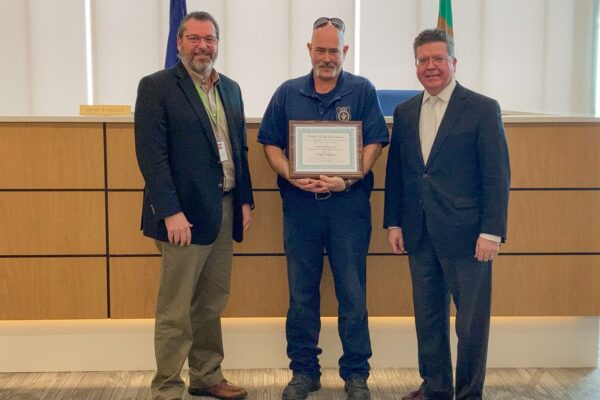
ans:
x=343 y=114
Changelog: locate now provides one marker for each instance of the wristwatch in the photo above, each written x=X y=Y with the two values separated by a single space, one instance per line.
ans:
x=347 y=184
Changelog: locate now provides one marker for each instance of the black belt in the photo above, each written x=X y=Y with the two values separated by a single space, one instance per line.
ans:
x=227 y=193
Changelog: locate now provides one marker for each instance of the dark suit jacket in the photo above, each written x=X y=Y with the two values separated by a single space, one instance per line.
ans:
x=463 y=190
x=178 y=157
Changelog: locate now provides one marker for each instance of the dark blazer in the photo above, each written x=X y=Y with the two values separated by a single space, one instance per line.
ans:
x=463 y=190
x=178 y=157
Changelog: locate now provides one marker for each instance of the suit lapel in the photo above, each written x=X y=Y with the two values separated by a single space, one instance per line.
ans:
x=413 y=129
x=453 y=113
x=226 y=99
x=188 y=87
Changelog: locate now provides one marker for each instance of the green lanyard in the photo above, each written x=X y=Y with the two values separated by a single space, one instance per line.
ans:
x=216 y=115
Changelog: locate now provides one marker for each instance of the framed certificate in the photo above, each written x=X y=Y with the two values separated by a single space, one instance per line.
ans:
x=329 y=148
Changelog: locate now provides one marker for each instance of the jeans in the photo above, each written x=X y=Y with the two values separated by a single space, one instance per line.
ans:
x=340 y=225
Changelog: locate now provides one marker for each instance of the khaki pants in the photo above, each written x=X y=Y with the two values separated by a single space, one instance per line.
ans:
x=194 y=288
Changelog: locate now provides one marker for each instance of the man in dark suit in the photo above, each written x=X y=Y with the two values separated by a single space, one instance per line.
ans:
x=191 y=147
x=446 y=199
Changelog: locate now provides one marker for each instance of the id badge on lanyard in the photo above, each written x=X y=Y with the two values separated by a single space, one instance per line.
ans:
x=214 y=120
x=222 y=150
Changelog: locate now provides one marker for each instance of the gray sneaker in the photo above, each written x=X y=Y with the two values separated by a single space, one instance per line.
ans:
x=357 y=389
x=300 y=386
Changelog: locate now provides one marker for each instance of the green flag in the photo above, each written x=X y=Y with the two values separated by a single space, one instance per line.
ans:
x=445 y=17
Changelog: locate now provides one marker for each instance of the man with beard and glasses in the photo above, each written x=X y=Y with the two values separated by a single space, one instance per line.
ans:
x=191 y=147
x=325 y=213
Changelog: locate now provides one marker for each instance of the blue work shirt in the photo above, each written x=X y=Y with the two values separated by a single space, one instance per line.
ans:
x=354 y=99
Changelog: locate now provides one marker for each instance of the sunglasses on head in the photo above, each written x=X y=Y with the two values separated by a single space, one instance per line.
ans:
x=338 y=23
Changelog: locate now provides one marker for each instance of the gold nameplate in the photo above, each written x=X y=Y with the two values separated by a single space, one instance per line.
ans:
x=105 y=110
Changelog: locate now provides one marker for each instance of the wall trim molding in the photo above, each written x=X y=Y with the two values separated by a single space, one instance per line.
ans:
x=120 y=345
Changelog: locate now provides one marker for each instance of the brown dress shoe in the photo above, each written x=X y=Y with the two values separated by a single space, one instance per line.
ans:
x=222 y=390
x=416 y=395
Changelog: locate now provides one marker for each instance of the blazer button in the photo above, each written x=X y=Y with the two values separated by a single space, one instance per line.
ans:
x=425 y=175
x=220 y=185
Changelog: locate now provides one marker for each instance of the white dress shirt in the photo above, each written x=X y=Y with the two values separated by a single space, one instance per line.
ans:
x=433 y=109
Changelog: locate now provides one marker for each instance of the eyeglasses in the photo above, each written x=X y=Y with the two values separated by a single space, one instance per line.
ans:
x=338 y=23
x=436 y=60
x=196 y=39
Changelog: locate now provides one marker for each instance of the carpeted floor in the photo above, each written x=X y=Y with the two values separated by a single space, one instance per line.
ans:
x=267 y=384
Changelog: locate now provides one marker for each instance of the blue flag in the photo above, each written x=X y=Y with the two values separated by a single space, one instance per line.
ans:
x=176 y=13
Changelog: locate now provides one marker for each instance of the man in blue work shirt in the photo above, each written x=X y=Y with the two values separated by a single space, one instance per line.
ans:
x=328 y=213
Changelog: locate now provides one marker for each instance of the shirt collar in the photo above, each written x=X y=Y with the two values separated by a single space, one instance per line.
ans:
x=199 y=79
x=309 y=86
x=444 y=95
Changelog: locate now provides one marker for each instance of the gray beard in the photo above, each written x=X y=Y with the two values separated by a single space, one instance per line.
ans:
x=202 y=68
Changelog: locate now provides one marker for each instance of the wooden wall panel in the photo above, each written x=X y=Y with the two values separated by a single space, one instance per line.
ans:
x=52 y=223
x=557 y=155
x=69 y=155
x=389 y=291
x=263 y=176
x=379 y=243
x=553 y=221
x=264 y=236
x=546 y=286
x=134 y=285
x=562 y=152
x=258 y=287
x=51 y=155
x=125 y=214
x=53 y=288
x=522 y=286
x=123 y=170
x=266 y=232
x=546 y=221
x=379 y=168
x=542 y=156
x=538 y=221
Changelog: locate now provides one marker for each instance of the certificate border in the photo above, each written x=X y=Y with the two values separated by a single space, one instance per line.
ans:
x=292 y=137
